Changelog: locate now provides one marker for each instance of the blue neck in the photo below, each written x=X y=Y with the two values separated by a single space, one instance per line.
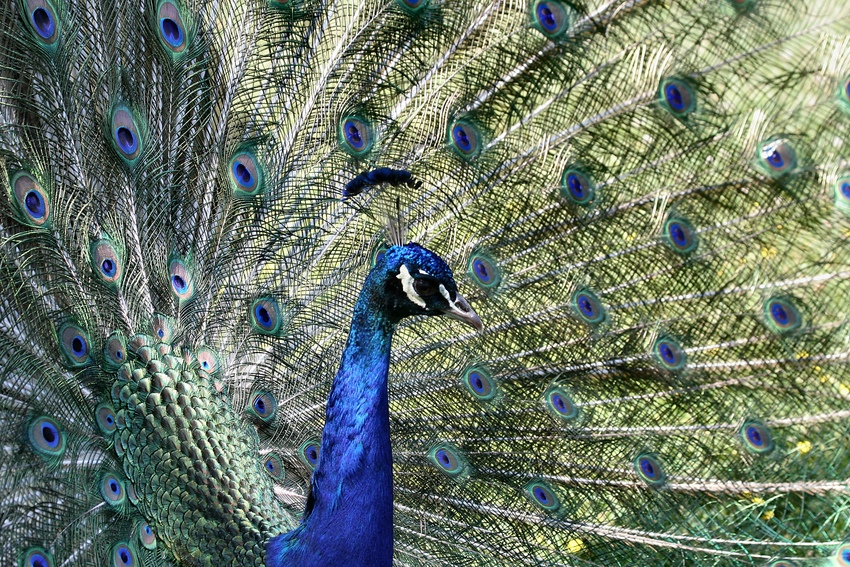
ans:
x=349 y=517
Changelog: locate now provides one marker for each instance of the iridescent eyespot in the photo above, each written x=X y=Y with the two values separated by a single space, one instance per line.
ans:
x=207 y=360
x=125 y=134
x=448 y=459
x=274 y=466
x=844 y=94
x=263 y=405
x=112 y=490
x=309 y=453
x=123 y=556
x=413 y=7
x=105 y=417
x=551 y=17
x=171 y=29
x=559 y=404
x=782 y=563
x=841 y=556
x=680 y=236
x=782 y=315
x=842 y=194
x=45 y=437
x=649 y=469
x=36 y=557
x=115 y=350
x=677 y=97
x=576 y=187
x=465 y=139
x=777 y=157
x=74 y=344
x=355 y=135
x=543 y=495
x=146 y=535
x=588 y=307
x=182 y=281
x=106 y=261
x=669 y=354
x=756 y=437
x=43 y=21
x=480 y=384
x=246 y=174
x=266 y=317
x=484 y=271
x=377 y=254
x=31 y=199
x=162 y=328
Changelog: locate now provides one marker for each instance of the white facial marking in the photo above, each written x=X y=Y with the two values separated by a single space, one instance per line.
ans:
x=445 y=293
x=407 y=286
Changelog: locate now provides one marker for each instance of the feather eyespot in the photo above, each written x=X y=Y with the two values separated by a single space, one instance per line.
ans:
x=465 y=139
x=842 y=555
x=162 y=329
x=576 y=187
x=777 y=157
x=448 y=459
x=112 y=490
x=42 y=20
x=115 y=350
x=123 y=555
x=208 y=360
x=36 y=557
x=669 y=354
x=125 y=134
x=413 y=7
x=484 y=271
x=782 y=315
x=274 y=467
x=551 y=17
x=247 y=176
x=263 y=405
x=171 y=29
x=31 y=199
x=105 y=416
x=756 y=437
x=309 y=453
x=146 y=536
x=677 y=96
x=182 y=281
x=559 y=403
x=480 y=383
x=844 y=95
x=543 y=495
x=842 y=194
x=74 y=344
x=266 y=317
x=107 y=262
x=46 y=438
x=588 y=307
x=680 y=236
x=355 y=135
x=377 y=255
x=649 y=469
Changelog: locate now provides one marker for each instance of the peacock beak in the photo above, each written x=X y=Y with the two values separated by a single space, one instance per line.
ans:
x=459 y=309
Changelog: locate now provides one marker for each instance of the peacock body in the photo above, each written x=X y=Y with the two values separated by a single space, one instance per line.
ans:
x=646 y=202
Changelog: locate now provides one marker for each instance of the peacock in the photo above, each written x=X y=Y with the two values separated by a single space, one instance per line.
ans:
x=425 y=283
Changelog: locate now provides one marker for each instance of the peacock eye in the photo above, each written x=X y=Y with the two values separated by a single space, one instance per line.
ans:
x=425 y=287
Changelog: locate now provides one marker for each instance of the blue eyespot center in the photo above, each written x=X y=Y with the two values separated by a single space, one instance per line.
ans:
x=35 y=204
x=50 y=435
x=260 y=406
x=126 y=140
x=462 y=138
x=171 y=32
x=179 y=284
x=125 y=555
x=242 y=175
x=754 y=435
x=845 y=189
x=263 y=316
x=148 y=530
x=546 y=17
x=576 y=187
x=647 y=467
x=352 y=134
x=779 y=314
x=108 y=267
x=312 y=453
x=43 y=22
x=78 y=346
x=674 y=97
x=160 y=333
x=677 y=235
x=775 y=159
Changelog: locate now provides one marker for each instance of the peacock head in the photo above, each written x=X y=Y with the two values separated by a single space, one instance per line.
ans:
x=418 y=282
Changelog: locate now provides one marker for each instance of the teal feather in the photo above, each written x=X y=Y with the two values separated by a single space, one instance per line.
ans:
x=646 y=203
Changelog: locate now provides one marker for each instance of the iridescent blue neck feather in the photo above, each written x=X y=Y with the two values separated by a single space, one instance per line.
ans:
x=349 y=517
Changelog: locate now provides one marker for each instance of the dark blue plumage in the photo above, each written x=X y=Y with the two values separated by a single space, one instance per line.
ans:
x=348 y=519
